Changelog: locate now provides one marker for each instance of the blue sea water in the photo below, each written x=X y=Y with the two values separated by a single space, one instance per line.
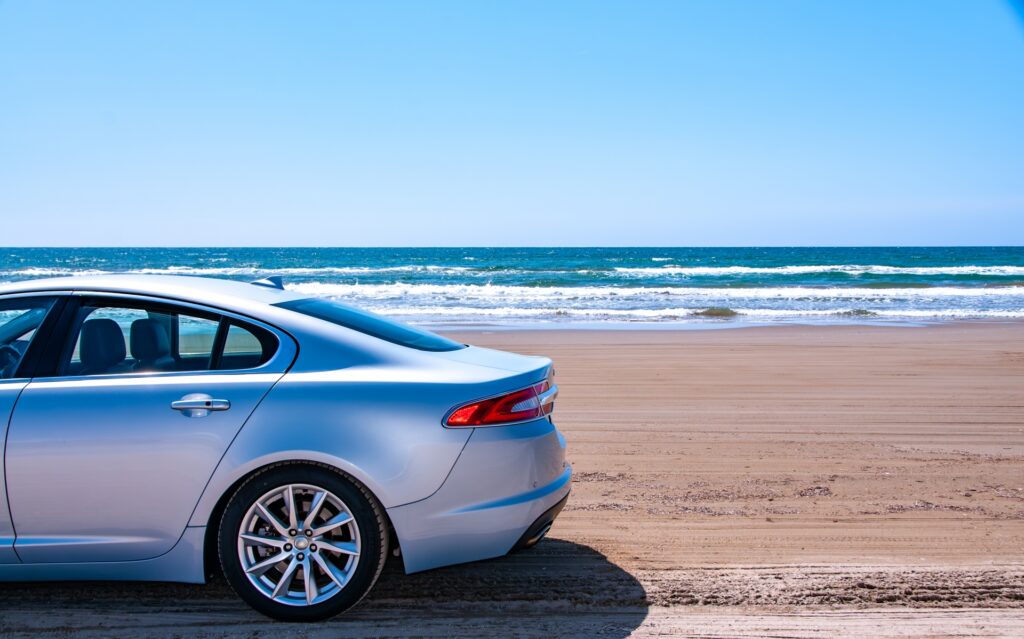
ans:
x=597 y=286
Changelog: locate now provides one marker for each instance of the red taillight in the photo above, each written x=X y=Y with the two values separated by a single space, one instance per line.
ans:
x=530 y=403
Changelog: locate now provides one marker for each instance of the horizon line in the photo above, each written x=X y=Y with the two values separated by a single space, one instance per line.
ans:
x=538 y=247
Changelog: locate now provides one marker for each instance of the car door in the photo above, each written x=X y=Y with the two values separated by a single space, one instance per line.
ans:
x=108 y=454
x=20 y=321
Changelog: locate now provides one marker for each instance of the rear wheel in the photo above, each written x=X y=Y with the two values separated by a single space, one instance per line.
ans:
x=302 y=543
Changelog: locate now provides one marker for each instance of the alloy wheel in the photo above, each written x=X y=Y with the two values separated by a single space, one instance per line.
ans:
x=299 y=544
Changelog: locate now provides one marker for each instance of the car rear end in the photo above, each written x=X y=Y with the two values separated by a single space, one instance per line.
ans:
x=511 y=479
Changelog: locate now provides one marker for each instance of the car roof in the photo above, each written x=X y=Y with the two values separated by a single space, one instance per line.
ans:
x=221 y=293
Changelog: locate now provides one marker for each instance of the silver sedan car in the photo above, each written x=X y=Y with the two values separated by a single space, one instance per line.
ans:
x=157 y=427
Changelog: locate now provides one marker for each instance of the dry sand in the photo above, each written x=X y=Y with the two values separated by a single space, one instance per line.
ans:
x=784 y=482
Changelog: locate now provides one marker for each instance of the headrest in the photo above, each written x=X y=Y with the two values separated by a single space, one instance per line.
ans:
x=149 y=340
x=101 y=345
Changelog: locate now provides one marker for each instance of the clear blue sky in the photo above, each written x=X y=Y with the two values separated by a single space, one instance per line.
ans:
x=512 y=123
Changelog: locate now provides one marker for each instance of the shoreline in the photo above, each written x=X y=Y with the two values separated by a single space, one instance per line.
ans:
x=707 y=325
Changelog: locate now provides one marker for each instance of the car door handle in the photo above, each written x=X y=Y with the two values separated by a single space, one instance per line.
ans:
x=199 y=405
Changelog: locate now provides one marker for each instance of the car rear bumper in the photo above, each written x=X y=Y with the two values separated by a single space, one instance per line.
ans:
x=504 y=491
x=540 y=527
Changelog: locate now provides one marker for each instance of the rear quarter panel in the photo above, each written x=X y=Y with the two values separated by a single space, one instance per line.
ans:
x=379 y=423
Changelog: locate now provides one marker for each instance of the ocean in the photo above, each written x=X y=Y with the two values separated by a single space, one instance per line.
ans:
x=598 y=287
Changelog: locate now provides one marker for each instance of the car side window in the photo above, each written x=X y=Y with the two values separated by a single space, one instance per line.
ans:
x=245 y=347
x=19 y=320
x=197 y=337
x=117 y=322
x=111 y=338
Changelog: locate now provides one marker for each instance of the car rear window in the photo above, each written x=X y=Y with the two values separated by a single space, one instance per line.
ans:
x=372 y=324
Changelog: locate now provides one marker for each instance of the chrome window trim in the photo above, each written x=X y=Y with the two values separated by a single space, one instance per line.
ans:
x=55 y=293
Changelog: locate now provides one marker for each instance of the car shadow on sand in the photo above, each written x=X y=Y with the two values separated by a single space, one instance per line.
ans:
x=557 y=588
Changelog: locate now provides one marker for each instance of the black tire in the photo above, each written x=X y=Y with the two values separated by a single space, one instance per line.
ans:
x=369 y=518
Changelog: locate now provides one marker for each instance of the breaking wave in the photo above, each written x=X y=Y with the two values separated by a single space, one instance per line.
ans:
x=527 y=293
x=593 y=285
x=849 y=269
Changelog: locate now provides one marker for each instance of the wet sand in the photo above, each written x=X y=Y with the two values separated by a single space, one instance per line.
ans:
x=788 y=481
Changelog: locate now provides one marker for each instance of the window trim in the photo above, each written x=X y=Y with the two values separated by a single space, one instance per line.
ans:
x=280 y=362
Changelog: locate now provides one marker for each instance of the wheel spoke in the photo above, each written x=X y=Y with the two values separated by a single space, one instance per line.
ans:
x=265 y=565
x=289 y=500
x=272 y=520
x=286 y=580
x=340 y=547
x=336 y=576
x=335 y=522
x=314 y=508
x=312 y=592
x=259 y=540
x=272 y=531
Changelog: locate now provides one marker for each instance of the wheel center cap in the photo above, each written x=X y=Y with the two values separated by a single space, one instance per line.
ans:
x=301 y=544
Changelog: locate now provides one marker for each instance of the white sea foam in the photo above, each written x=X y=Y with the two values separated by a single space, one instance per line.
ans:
x=425 y=293
x=34 y=271
x=850 y=269
x=243 y=270
x=680 y=313
x=527 y=293
x=629 y=272
x=325 y=270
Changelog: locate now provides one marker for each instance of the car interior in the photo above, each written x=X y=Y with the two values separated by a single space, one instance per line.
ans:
x=117 y=340
x=16 y=329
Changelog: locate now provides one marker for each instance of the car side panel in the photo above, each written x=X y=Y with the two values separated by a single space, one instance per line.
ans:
x=101 y=469
x=398 y=449
x=9 y=391
x=183 y=563
x=380 y=423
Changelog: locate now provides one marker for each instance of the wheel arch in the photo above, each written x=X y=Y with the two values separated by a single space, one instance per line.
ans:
x=211 y=565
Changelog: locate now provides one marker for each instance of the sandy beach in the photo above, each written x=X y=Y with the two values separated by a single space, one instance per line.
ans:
x=787 y=481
